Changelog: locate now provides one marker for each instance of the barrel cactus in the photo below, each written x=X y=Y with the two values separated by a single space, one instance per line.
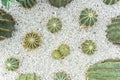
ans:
x=6 y=25
x=106 y=70
x=61 y=52
x=32 y=41
x=27 y=3
x=59 y=3
x=110 y=2
x=88 y=17
x=113 y=31
x=12 y=64
x=88 y=47
x=54 y=25
x=61 y=76
x=29 y=76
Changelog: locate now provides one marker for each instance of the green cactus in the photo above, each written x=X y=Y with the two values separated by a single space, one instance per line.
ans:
x=59 y=3
x=32 y=41
x=88 y=47
x=27 y=3
x=113 y=31
x=29 y=76
x=61 y=76
x=88 y=17
x=110 y=2
x=106 y=70
x=12 y=64
x=6 y=25
x=56 y=54
x=54 y=25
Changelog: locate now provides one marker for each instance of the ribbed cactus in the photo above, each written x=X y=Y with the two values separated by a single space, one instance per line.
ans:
x=59 y=3
x=110 y=2
x=29 y=76
x=6 y=25
x=27 y=3
x=107 y=70
x=113 y=31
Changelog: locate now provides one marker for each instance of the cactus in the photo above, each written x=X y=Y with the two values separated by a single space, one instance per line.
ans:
x=88 y=17
x=6 y=25
x=110 y=2
x=12 y=64
x=59 y=3
x=54 y=25
x=29 y=76
x=88 y=47
x=113 y=31
x=32 y=41
x=61 y=76
x=27 y=3
x=107 y=70
x=61 y=52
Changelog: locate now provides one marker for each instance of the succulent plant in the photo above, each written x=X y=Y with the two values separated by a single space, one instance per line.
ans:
x=61 y=76
x=27 y=3
x=88 y=17
x=88 y=47
x=59 y=3
x=32 y=41
x=110 y=2
x=29 y=76
x=12 y=64
x=6 y=25
x=61 y=52
x=54 y=25
x=113 y=31
x=107 y=70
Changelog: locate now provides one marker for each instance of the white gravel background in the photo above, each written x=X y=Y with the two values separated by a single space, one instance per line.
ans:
x=40 y=60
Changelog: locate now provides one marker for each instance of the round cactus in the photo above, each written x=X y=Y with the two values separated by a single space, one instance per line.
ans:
x=107 y=70
x=110 y=2
x=6 y=25
x=32 y=41
x=113 y=31
x=29 y=76
x=54 y=25
x=59 y=3
x=61 y=76
x=27 y=3
x=12 y=64
x=88 y=47
x=88 y=17
x=56 y=54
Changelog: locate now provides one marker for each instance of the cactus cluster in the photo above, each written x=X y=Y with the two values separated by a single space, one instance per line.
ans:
x=54 y=25
x=59 y=3
x=61 y=52
x=12 y=64
x=29 y=76
x=107 y=70
x=110 y=2
x=113 y=31
x=61 y=76
x=6 y=25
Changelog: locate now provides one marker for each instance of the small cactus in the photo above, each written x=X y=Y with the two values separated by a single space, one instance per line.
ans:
x=12 y=64
x=61 y=52
x=88 y=17
x=29 y=76
x=27 y=3
x=110 y=2
x=32 y=41
x=113 y=31
x=106 y=70
x=88 y=47
x=6 y=25
x=61 y=76
x=59 y=3
x=54 y=25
